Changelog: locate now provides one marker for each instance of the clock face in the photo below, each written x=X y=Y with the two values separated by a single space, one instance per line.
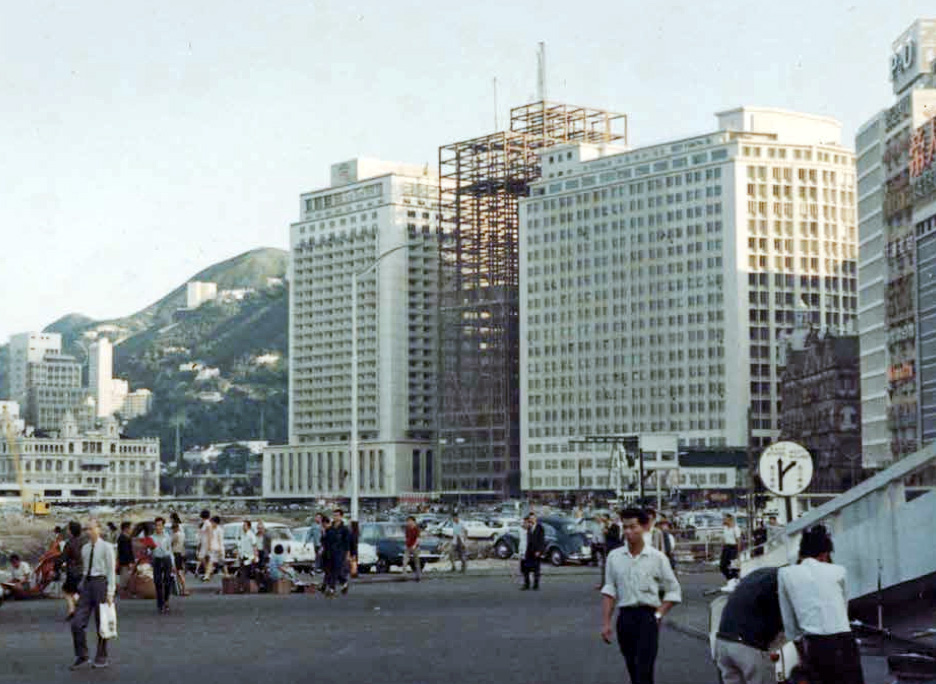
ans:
x=786 y=468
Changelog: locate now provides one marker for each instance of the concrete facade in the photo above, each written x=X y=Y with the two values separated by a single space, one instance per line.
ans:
x=371 y=207
x=656 y=283
x=887 y=323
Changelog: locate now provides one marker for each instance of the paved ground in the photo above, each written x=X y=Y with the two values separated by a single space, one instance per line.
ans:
x=474 y=628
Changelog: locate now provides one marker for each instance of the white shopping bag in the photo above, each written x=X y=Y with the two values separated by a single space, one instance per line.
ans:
x=107 y=624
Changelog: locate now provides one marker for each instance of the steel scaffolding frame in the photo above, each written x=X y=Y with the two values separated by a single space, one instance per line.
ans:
x=481 y=183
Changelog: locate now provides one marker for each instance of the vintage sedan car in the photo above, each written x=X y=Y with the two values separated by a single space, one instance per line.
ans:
x=476 y=529
x=565 y=542
x=298 y=554
x=388 y=539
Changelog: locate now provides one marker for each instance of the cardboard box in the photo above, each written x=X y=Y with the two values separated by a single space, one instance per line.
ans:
x=283 y=586
x=235 y=585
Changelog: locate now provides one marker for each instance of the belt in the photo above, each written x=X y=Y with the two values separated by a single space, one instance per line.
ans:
x=640 y=607
x=738 y=639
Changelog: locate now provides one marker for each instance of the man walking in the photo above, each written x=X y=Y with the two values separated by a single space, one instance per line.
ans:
x=535 y=548
x=163 y=564
x=314 y=536
x=204 y=544
x=98 y=586
x=731 y=538
x=411 y=547
x=637 y=576
x=459 y=548
x=337 y=543
x=246 y=552
x=750 y=622
x=814 y=606
x=125 y=559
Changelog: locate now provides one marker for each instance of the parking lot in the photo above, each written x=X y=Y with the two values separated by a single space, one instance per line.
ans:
x=447 y=628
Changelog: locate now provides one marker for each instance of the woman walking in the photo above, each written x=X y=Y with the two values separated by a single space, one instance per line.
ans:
x=72 y=568
x=178 y=552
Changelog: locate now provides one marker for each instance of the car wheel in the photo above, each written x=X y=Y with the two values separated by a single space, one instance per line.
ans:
x=364 y=569
x=556 y=557
x=383 y=565
x=503 y=550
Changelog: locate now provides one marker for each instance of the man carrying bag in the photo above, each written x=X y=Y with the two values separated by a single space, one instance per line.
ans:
x=98 y=586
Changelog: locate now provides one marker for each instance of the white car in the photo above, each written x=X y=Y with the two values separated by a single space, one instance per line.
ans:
x=299 y=554
x=475 y=529
x=367 y=557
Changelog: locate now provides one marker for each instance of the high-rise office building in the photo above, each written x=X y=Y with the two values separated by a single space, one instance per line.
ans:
x=887 y=319
x=370 y=208
x=47 y=383
x=483 y=180
x=656 y=283
x=101 y=375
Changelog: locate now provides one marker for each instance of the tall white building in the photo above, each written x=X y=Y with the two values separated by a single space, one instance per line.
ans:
x=887 y=326
x=657 y=282
x=27 y=348
x=46 y=383
x=369 y=208
x=101 y=374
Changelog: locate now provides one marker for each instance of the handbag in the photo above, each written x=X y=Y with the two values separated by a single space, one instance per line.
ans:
x=107 y=621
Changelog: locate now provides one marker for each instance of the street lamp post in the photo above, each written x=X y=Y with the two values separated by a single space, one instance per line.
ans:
x=355 y=470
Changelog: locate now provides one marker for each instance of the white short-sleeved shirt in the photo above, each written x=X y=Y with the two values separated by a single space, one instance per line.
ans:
x=813 y=599
x=638 y=580
x=731 y=535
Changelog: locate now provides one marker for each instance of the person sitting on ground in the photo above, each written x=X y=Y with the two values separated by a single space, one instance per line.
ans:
x=20 y=573
x=278 y=566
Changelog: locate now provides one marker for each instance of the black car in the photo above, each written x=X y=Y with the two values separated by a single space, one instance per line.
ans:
x=565 y=542
x=389 y=538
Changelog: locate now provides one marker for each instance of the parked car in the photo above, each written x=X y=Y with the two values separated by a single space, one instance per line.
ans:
x=476 y=529
x=367 y=557
x=389 y=539
x=299 y=554
x=565 y=542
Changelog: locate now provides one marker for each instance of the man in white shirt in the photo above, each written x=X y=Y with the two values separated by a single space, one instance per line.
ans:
x=636 y=576
x=247 y=551
x=19 y=572
x=163 y=564
x=98 y=585
x=731 y=538
x=814 y=606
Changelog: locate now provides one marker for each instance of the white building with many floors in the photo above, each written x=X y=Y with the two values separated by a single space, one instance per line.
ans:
x=369 y=208
x=656 y=284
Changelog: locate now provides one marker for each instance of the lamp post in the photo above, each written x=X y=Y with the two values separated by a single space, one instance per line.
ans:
x=355 y=470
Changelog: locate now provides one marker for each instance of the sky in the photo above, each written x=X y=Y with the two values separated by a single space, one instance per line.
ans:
x=142 y=142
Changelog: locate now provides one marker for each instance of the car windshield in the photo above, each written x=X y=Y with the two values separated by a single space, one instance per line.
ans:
x=280 y=533
x=391 y=531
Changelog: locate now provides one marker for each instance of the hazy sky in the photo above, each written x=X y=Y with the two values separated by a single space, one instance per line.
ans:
x=141 y=142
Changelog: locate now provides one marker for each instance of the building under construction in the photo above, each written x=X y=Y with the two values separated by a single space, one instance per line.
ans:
x=482 y=181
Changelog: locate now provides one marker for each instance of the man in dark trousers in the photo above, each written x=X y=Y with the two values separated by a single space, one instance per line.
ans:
x=535 y=548
x=641 y=585
x=750 y=622
x=814 y=605
x=98 y=586
x=337 y=544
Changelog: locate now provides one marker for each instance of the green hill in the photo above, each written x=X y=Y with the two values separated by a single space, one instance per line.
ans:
x=151 y=344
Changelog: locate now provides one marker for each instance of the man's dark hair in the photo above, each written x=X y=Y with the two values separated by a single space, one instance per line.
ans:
x=814 y=542
x=411 y=517
x=14 y=557
x=638 y=514
x=278 y=548
x=651 y=511
x=125 y=525
x=74 y=528
x=216 y=519
x=111 y=525
x=205 y=514
x=325 y=519
x=160 y=519
x=337 y=510
x=57 y=530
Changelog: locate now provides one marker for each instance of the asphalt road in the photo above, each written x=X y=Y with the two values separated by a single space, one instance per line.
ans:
x=444 y=630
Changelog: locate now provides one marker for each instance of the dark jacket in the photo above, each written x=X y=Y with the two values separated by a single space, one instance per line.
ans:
x=124 y=550
x=536 y=542
x=336 y=543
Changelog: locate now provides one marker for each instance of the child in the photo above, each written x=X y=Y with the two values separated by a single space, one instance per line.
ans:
x=279 y=566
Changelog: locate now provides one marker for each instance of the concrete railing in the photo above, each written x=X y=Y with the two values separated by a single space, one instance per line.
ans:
x=879 y=536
